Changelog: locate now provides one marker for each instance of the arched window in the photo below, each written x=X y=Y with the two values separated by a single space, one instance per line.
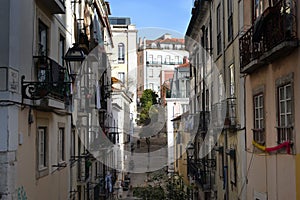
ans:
x=121 y=53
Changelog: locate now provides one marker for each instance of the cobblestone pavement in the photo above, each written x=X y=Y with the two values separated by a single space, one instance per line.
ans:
x=140 y=179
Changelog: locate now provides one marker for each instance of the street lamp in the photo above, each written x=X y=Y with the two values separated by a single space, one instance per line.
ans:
x=190 y=153
x=190 y=150
x=74 y=54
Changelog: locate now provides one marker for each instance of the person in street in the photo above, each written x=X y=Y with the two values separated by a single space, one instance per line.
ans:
x=132 y=148
x=108 y=182
x=138 y=143
x=148 y=143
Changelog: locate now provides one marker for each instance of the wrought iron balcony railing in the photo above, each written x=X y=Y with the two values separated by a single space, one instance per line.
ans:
x=164 y=63
x=52 y=81
x=272 y=34
x=202 y=172
x=224 y=114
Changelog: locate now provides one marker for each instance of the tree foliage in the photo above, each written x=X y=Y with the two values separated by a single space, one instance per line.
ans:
x=148 y=99
x=149 y=192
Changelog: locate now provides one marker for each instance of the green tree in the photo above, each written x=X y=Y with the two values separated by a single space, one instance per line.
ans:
x=148 y=99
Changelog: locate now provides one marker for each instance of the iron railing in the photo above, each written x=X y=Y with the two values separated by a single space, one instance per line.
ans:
x=284 y=134
x=201 y=172
x=276 y=25
x=52 y=81
x=259 y=136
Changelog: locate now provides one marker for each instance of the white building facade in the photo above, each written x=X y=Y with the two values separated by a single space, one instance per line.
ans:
x=156 y=56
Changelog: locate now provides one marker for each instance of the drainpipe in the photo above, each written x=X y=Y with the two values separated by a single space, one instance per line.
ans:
x=225 y=131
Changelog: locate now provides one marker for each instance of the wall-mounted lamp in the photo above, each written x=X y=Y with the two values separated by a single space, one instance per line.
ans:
x=74 y=55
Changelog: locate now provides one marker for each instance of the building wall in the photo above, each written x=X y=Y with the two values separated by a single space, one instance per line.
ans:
x=18 y=147
x=56 y=184
x=280 y=169
x=150 y=67
x=126 y=35
x=174 y=109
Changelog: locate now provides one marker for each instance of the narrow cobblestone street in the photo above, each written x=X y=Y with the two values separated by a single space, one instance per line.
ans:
x=142 y=179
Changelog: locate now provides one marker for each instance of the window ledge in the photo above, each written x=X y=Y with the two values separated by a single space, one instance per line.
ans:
x=41 y=172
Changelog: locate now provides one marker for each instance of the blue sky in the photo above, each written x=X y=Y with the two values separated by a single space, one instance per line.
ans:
x=155 y=17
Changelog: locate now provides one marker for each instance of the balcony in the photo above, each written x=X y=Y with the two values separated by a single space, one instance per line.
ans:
x=273 y=35
x=202 y=172
x=199 y=122
x=54 y=6
x=224 y=114
x=158 y=64
x=50 y=89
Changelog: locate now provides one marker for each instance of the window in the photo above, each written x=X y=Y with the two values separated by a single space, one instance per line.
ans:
x=159 y=59
x=221 y=161
x=61 y=144
x=73 y=136
x=121 y=76
x=285 y=105
x=258 y=8
x=168 y=59
x=258 y=131
x=43 y=39
x=176 y=59
x=220 y=87
x=241 y=15
x=232 y=81
x=150 y=72
x=121 y=53
x=285 y=118
x=233 y=173
x=150 y=59
x=229 y=20
x=61 y=50
x=42 y=148
x=207 y=100
x=151 y=86
x=219 y=30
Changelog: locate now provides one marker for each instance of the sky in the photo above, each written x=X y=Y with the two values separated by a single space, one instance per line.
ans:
x=153 y=18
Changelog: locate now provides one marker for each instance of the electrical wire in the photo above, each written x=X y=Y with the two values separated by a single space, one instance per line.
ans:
x=247 y=173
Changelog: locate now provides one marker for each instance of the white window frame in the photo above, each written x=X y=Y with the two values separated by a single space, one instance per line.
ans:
x=121 y=76
x=121 y=53
x=42 y=148
x=150 y=59
x=168 y=59
x=230 y=20
x=258 y=8
x=43 y=38
x=61 y=49
x=285 y=114
x=159 y=59
x=258 y=106
x=150 y=72
x=61 y=144
x=232 y=81
x=285 y=126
